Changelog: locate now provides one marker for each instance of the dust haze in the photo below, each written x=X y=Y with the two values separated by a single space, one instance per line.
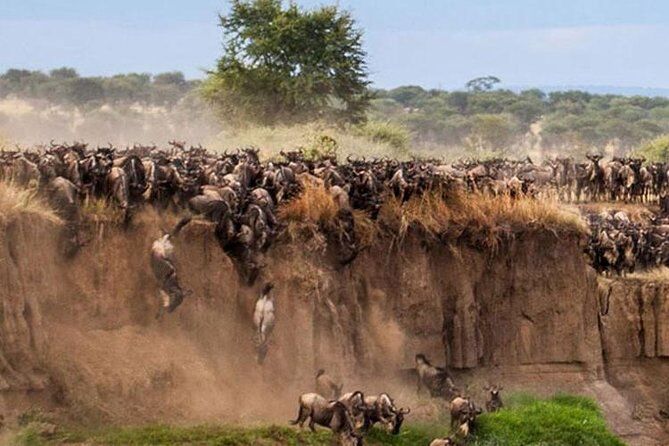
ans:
x=29 y=122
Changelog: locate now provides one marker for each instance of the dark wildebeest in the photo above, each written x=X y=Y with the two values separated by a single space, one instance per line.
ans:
x=381 y=409
x=117 y=189
x=494 y=402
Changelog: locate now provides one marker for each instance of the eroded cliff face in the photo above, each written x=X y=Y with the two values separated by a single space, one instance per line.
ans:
x=79 y=335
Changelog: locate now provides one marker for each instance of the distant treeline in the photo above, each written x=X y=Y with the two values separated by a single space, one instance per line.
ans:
x=497 y=121
x=66 y=86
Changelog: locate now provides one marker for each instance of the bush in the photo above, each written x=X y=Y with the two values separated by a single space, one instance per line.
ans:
x=386 y=132
x=656 y=149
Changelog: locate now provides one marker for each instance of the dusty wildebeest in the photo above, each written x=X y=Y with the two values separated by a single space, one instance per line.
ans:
x=326 y=386
x=264 y=320
x=331 y=414
x=463 y=415
x=435 y=379
x=381 y=409
x=164 y=270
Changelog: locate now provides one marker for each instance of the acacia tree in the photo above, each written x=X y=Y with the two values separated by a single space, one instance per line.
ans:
x=485 y=83
x=289 y=64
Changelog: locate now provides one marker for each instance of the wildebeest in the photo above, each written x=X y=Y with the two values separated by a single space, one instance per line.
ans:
x=494 y=402
x=164 y=270
x=381 y=409
x=326 y=386
x=435 y=379
x=463 y=414
x=355 y=404
x=331 y=414
x=264 y=320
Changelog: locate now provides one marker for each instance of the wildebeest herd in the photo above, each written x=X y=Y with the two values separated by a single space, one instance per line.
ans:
x=619 y=245
x=351 y=415
x=240 y=193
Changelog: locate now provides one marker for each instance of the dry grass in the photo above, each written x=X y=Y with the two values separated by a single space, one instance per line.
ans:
x=314 y=206
x=637 y=213
x=16 y=201
x=484 y=219
x=98 y=210
x=660 y=274
x=477 y=215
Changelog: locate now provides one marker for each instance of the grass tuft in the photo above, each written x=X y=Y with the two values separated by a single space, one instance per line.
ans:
x=655 y=275
x=18 y=201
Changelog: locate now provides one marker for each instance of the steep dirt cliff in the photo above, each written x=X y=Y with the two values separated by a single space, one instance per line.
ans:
x=79 y=336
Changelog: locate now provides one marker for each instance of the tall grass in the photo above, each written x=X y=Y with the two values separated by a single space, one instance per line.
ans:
x=18 y=201
x=484 y=218
x=439 y=214
x=659 y=274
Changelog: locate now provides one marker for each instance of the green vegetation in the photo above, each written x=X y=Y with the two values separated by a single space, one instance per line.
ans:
x=217 y=435
x=289 y=64
x=65 y=86
x=498 y=120
x=481 y=122
x=562 y=420
x=656 y=149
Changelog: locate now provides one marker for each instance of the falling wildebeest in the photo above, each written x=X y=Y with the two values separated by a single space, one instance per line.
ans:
x=264 y=320
x=162 y=264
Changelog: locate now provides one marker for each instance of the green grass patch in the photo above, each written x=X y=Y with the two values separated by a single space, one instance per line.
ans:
x=563 y=420
x=211 y=435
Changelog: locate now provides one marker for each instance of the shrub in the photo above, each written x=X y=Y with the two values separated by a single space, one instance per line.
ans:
x=386 y=132
x=656 y=149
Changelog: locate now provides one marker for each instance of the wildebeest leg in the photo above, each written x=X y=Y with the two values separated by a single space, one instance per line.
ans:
x=302 y=415
x=164 y=303
x=312 y=423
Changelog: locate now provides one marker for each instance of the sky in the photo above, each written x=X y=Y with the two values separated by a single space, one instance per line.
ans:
x=432 y=43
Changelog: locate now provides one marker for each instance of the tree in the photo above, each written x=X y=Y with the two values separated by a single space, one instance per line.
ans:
x=63 y=73
x=171 y=78
x=485 y=83
x=289 y=63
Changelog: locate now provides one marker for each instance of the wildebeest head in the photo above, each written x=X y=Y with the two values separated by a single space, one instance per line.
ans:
x=266 y=290
x=398 y=419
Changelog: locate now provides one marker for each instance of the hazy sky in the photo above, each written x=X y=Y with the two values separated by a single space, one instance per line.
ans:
x=433 y=43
